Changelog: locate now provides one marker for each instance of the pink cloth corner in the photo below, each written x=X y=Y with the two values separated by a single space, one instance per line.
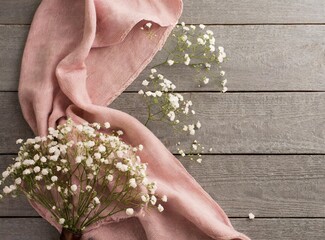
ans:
x=79 y=56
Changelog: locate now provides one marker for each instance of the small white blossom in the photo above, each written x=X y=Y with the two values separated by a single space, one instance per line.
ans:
x=109 y=177
x=54 y=178
x=202 y=26
x=18 y=181
x=170 y=62
x=145 y=198
x=27 y=172
x=140 y=147
x=78 y=159
x=5 y=174
x=209 y=32
x=164 y=198
x=101 y=148
x=129 y=211
x=224 y=89
x=45 y=172
x=149 y=25
x=37 y=146
x=251 y=216
x=145 y=82
x=160 y=208
x=171 y=115
x=96 y=200
x=200 y=41
x=133 y=183
x=153 y=200
x=184 y=38
x=38 y=178
x=74 y=187
x=61 y=221
x=6 y=190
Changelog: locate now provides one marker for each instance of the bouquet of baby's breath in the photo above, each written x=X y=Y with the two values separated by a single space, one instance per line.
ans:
x=81 y=175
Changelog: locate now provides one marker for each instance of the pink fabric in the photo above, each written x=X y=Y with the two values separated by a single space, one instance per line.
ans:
x=79 y=56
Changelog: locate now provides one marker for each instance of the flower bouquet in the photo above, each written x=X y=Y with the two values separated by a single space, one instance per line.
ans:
x=82 y=174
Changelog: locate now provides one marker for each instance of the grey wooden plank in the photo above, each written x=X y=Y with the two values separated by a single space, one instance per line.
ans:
x=17 y=11
x=268 y=186
x=261 y=229
x=12 y=42
x=261 y=58
x=252 y=11
x=231 y=123
x=284 y=229
x=207 y=11
x=31 y=228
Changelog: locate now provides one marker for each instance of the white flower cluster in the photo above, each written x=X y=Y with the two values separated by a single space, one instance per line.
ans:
x=167 y=106
x=82 y=174
x=196 y=47
x=163 y=103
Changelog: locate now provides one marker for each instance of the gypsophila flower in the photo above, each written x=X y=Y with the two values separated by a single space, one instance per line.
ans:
x=18 y=181
x=145 y=83
x=61 y=221
x=199 y=51
x=129 y=211
x=76 y=161
x=164 y=198
x=74 y=188
x=140 y=147
x=170 y=62
x=153 y=200
x=145 y=198
x=96 y=200
x=54 y=178
x=160 y=208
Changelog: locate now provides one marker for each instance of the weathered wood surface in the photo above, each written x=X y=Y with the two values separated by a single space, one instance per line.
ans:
x=268 y=186
x=232 y=123
x=272 y=46
x=259 y=229
x=261 y=58
x=207 y=11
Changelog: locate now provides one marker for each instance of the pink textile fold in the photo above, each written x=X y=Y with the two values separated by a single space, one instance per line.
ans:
x=79 y=56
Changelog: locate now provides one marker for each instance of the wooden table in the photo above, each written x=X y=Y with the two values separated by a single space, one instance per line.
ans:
x=267 y=132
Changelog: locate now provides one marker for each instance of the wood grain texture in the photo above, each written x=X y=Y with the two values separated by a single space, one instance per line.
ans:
x=268 y=186
x=261 y=58
x=17 y=11
x=232 y=123
x=261 y=229
x=207 y=11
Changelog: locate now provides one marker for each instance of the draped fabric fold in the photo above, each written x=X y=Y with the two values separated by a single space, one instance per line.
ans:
x=79 y=56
